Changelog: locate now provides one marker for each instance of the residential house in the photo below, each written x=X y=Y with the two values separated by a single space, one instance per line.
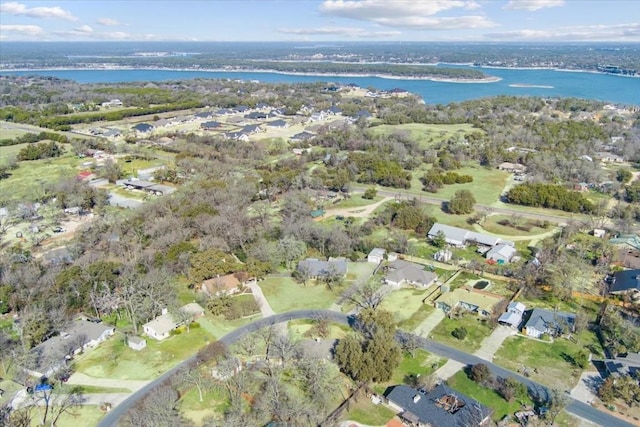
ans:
x=581 y=186
x=607 y=157
x=240 y=109
x=441 y=407
x=112 y=133
x=204 y=115
x=502 y=253
x=404 y=272
x=628 y=250
x=227 y=284
x=79 y=335
x=278 y=124
x=160 y=327
x=251 y=129
x=302 y=136
x=255 y=115
x=147 y=186
x=301 y=151
x=512 y=167
x=460 y=237
x=142 y=128
x=627 y=365
x=210 y=125
x=315 y=268
x=362 y=114
x=223 y=112
x=480 y=302
x=513 y=316
x=162 y=123
x=136 y=343
x=334 y=110
x=625 y=282
x=237 y=136
x=376 y=256
x=540 y=321
x=112 y=103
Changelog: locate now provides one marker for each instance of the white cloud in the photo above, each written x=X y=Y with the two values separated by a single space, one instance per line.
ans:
x=25 y=30
x=339 y=31
x=532 y=5
x=108 y=22
x=406 y=13
x=15 y=8
x=84 y=29
x=620 y=32
x=86 y=32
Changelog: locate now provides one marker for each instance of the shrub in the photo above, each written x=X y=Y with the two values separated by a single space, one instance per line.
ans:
x=460 y=332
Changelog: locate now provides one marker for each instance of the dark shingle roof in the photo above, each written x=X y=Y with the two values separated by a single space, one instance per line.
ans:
x=625 y=281
x=432 y=408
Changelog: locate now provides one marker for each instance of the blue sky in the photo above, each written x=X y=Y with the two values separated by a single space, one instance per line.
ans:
x=321 y=20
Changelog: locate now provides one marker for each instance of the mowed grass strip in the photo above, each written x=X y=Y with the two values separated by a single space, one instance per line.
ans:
x=404 y=303
x=363 y=411
x=285 y=294
x=427 y=134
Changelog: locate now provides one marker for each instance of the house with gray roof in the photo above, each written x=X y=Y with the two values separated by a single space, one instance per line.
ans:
x=441 y=407
x=625 y=282
x=513 y=316
x=540 y=321
x=404 y=272
x=302 y=136
x=627 y=365
x=210 y=125
x=376 y=256
x=316 y=268
x=280 y=124
x=501 y=253
x=142 y=127
x=79 y=335
x=460 y=237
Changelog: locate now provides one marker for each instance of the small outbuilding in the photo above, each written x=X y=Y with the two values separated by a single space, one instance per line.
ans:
x=136 y=343
x=376 y=256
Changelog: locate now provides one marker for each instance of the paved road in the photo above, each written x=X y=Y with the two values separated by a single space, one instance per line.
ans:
x=577 y=408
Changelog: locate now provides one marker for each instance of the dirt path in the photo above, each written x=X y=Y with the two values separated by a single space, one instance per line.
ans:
x=78 y=378
x=357 y=212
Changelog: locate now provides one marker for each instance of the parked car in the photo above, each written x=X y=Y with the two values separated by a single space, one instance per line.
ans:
x=59 y=229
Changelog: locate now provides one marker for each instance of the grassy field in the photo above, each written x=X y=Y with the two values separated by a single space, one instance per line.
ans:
x=365 y=412
x=476 y=332
x=486 y=396
x=486 y=187
x=30 y=177
x=491 y=225
x=298 y=328
x=219 y=327
x=88 y=415
x=284 y=294
x=405 y=304
x=355 y=201
x=214 y=403
x=360 y=271
x=114 y=359
x=426 y=134
x=552 y=360
x=10 y=150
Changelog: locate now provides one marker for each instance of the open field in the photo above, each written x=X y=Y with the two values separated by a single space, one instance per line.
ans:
x=88 y=415
x=405 y=304
x=298 y=329
x=477 y=330
x=11 y=150
x=214 y=403
x=422 y=363
x=426 y=134
x=28 y=180
x=490 y=224
x=487 y=185
x=114 y=359
x=553 y=360
x=285 y=294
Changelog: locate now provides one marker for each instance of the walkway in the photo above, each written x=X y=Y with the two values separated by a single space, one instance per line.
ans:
x=78 y=378
x=265 y=307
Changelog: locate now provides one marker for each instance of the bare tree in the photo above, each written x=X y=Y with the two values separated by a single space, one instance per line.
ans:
x=57 y=401
x=197 y=375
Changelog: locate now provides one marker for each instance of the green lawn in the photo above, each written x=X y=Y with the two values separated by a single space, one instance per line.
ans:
x=486 y=396
x=404 y=304
x=477 y=330
x=114 y=359
x=285 y=294
x=298 y=328
x=355 y=201
x=88 y=415
x=219 y=327
x=360 y=271
x=552 y=360
x=214 y=404
x=10 y=150
x=491 y=225
x=27 y=182
x=365 y=412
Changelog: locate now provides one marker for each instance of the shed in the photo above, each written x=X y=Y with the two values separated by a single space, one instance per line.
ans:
x=136 y=343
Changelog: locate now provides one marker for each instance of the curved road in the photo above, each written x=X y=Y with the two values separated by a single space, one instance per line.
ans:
x=575 y=407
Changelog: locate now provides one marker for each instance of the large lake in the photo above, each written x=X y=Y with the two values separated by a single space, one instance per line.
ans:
x=608 y=88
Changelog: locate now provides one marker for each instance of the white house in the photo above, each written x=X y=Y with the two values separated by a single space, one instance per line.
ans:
x=513 y=316
x=376 y=256
x=160 y=328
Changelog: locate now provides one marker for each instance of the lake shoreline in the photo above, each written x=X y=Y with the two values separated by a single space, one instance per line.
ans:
x=489 y=79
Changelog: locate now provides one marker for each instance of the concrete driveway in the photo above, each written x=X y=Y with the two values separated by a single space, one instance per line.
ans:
x=428 y=324
x=587 y=387
x=493 y=342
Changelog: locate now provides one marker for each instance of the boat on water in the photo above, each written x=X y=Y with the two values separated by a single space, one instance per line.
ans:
x=530 y=86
